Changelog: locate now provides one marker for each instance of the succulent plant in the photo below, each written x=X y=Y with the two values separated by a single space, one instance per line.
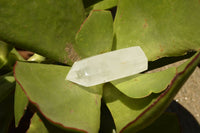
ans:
x=64 y=31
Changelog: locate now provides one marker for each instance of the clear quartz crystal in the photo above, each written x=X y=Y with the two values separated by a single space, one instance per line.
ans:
x=108 y=66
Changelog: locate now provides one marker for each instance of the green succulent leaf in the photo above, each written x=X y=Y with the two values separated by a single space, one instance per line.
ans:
x=61 y=102
x=95 y=35
x=132 y=115
x=7 y=85
x=8 y=59
x=37 y=125
x=20 y=104
x=15 y=53
x=41 y=125
x=125 y=109
x=162 y=28
x=4 y=52
x=135 y=87
x=45 y=27
x=166 y=123
x=37 y=58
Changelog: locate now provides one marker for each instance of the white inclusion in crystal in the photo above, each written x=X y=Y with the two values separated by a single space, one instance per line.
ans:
x=108 y=66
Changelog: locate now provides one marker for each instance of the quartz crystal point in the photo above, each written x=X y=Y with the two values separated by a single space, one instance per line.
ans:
x=108 y=66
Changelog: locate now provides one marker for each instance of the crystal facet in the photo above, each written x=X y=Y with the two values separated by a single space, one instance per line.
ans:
x=108 y=66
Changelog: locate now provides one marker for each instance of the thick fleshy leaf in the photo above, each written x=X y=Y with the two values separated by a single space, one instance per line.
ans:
x=61 y=102
x=20 y=104
x=45 y=27
x=7 y=85
x=105 y=4
x=95 y=35
x=125 y=109
x=131 y=115
x=16 y=53
x=166 y=123
x=36 y=125
x=6 y=112
x=4 y=51
x=41 y=125
x=10 y=60
x=134 y=87
x=36 y=58
x=162 y=28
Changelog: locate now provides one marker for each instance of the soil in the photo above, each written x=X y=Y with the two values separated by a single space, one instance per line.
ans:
x=186 y=103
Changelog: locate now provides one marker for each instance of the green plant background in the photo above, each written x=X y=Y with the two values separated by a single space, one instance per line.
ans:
x=65 y=31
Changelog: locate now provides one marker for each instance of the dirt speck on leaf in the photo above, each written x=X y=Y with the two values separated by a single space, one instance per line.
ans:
x=96 y=99
x=120 y=15
x=71 y=53
x=161 y=48
x=145 y=25
x=72 y=111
